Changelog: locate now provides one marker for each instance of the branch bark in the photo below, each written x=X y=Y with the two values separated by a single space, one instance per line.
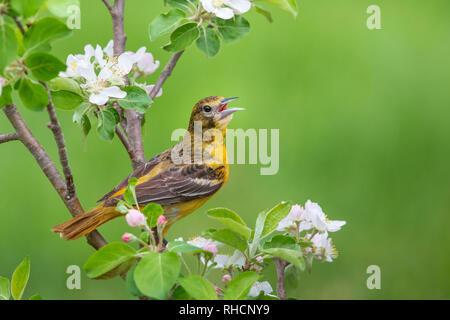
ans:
x=8 y=137
x=48 y=167
x=132 y=126
x=281 y=267
x=55 y=126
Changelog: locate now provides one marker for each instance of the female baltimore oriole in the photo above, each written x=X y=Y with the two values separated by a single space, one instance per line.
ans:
x=180 y=187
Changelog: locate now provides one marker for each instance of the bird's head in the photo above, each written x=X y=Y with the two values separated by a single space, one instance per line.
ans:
x=212 y=113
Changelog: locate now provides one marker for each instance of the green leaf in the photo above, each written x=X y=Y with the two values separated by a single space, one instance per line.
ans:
x=274 y=216
x=180 y=294
x=130 y=193
x=44 y=66
x=4 y=289
x=198 y=287
x=181 y=246
x=228 y=237
x=33 y=95
x=156 y=274
x=80 y=111
x=165 y=23
x=66 y=100
x=152 y=211
x=67 y=84
x=86 y=125
x=8 y=45
x=27 y=8
x=263 y=12
x=120 y=270
x=20 y=278
x=286 y=5
x=137 y=99
x=181 y=4
x=231 y=220
x=131 y=284
x=122 y=207
x=5 y=98
x=293 y=256
x=209 y=42
x=233 y=30
x=239 y=287
x=282 y=241
x=259 y=226
x=292 y=277
x=60 y=8
x=42 y=32
x=106 y=124
x=35 y=297
x=182 y=37
x=107 y=258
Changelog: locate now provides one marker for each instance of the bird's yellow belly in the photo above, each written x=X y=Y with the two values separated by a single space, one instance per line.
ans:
x=178 y=211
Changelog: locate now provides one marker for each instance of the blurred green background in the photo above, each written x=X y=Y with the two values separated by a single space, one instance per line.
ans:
x=364 y=131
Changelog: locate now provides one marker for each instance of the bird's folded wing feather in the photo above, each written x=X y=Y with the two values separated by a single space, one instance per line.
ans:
x=139 y=172
x=180 y=184
x=177 y=184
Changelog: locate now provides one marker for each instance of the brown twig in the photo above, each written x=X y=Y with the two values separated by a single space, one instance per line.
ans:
x=167 y=71
x=48 y=167
x=133 y=118
x=8 y=137
x=55 y=126
x=281 y=267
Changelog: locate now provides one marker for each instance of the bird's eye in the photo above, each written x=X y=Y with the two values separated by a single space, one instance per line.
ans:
x=207 y=108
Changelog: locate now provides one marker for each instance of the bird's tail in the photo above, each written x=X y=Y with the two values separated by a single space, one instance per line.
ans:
x=86 y=222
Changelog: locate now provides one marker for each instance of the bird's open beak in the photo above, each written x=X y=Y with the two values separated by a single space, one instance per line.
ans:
x=226 y=100
x=223 y=109
x=227 y=112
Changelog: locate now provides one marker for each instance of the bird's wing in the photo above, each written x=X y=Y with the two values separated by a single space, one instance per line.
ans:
x=180 y=184
x=139 y=172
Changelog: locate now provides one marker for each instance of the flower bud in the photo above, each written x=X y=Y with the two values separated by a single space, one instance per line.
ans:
x=211 y=247
x=161 y=219
x=128 y=237
x=226 y=278
x=217 y=290
x=135 y=218
x=296 y=212
x=259 y=259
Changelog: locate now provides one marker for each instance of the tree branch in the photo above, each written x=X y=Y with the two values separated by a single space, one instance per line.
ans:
x=48 y=167
x=167 y=71
x=135 y=146
x=281 y=267
x=8 y=137
x=62 y=151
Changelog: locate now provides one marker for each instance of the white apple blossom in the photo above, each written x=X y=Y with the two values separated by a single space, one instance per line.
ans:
x=201 y=242
x=225 y=261
x=294 y=216
x=149 y=89
x=146 y=63
x=314 y=214
x=226 y=9
x=75 y=62
x=324 y=247
x=98 y=86
x=261 y=286
x=2 y=83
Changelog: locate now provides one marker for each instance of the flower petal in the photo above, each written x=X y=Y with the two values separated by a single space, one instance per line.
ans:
x=109 y=49
x=224 y=13
x=240 y=6
x=208 y=5
x=98 y=99
x=114 y=92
